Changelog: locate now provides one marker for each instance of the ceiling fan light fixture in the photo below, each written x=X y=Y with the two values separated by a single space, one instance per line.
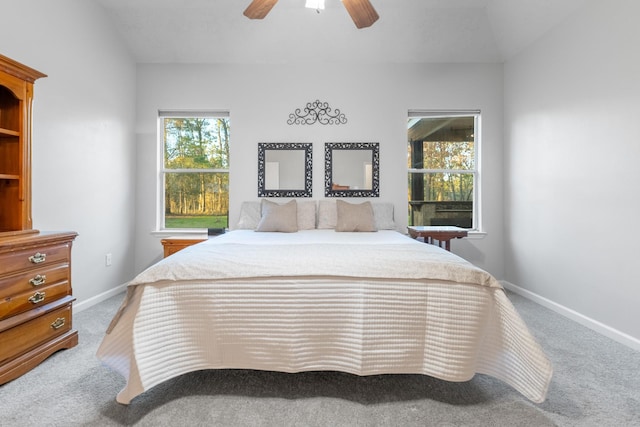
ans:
x=315 y=4
x=361 y=11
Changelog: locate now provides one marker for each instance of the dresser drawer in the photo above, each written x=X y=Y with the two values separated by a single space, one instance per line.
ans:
x=26 y=301
x=33 y=258
x=33 y=280
x=25 y=336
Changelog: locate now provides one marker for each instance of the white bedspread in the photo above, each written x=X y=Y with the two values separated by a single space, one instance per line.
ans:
x=364 y=303
x=248 y=254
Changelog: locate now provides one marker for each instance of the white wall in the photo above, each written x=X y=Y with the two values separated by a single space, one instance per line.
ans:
x=375 y=99
x=571 y=182
x=83 y=147
x=571 y=104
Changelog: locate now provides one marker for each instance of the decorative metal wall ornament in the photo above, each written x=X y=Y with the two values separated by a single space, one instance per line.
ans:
x=317 y=112
x=307 y=148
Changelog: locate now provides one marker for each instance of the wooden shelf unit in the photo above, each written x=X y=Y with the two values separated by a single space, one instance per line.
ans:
x=16 y=99
x=35 y=268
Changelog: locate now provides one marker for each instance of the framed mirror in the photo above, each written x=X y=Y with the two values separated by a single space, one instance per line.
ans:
x=351 y=169
x=284 y=169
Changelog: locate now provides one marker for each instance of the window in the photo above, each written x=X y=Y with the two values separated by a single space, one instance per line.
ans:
x=443 y=168
x=194 y=173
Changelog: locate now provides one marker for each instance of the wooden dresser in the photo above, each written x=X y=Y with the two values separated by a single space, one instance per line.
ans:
x=35 y=300
x=35 y=267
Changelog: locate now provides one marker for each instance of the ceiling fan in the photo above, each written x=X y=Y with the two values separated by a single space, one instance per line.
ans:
x=361 y=11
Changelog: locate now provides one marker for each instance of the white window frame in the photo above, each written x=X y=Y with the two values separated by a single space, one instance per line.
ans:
x=160 y=181
x=476 y=172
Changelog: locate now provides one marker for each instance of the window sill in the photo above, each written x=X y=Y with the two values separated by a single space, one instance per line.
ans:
x=179 y=233
x=472 y=234
x=475 y=234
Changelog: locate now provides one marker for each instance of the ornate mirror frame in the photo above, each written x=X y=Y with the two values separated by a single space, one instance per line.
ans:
x=263 y=147
x=331 y=149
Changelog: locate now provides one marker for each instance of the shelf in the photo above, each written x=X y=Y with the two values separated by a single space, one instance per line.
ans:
x=7 y=132
x=16 y=99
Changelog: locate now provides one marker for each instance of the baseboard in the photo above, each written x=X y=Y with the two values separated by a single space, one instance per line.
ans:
x=83 y=305
x=601 y=328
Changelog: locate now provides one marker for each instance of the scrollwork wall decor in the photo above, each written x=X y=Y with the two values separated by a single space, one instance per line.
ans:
x=317 y=112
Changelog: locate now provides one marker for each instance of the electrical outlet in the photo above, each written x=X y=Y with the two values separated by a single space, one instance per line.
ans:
x=107 y=260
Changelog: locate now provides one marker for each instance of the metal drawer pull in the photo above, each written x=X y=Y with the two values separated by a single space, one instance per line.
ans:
x=37 y=297
x=38 y=280
x=37 y=258
x=59 y=323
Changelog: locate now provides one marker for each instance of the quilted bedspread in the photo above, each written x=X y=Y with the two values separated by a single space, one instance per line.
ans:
x=363 y=303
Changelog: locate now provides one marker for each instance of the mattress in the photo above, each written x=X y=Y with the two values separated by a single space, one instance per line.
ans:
x=319 y=300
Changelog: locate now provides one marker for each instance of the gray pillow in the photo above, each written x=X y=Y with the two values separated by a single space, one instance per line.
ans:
x=327 y=214
x=383 y=215
x=275 y=217
x=306 y=214
x=249 y=216
x=354 y=217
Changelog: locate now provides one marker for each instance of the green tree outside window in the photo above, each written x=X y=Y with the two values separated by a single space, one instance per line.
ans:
x=196 y=172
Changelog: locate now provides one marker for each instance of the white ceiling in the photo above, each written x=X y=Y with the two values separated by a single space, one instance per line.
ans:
x=408 y=31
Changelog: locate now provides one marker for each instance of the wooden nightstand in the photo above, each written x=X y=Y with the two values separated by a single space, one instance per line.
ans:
x=443 y=234
x=172 y=245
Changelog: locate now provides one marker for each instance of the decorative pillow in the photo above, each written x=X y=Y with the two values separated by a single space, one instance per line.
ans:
x=306 y=214
x=383 y=216
x=249 y=216
x=354 y=217
x=275 y=217
x=327 y=214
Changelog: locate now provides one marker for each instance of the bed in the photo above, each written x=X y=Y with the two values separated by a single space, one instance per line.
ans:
x=319 y=299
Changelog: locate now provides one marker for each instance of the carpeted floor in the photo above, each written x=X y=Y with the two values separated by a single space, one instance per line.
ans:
x=596 y=383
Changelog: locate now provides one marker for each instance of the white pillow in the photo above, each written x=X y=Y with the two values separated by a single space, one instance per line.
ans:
x=306 y=214
x=275 y=217
x=249 y=216
x=354 y=216
x=383 y=215
x=327 y=214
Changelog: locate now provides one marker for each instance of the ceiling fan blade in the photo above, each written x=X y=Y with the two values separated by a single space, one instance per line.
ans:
x=362 y=12
x=258 y=9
